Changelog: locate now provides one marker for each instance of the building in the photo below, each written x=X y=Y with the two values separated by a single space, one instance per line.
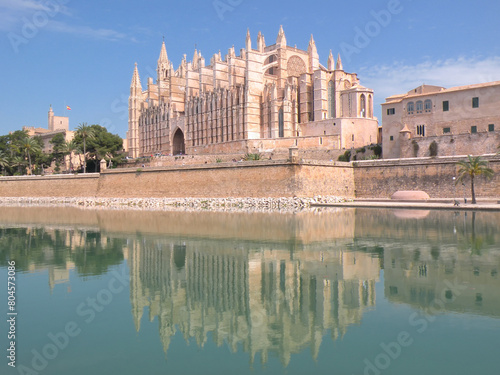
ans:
x=267 y=98
x=460 y=120
x=56 y=125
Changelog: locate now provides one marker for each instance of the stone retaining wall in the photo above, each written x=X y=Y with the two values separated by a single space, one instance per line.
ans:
x=259 y=179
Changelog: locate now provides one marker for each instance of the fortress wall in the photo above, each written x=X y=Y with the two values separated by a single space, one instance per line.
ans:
x=264 y=178
x=382 y=178
x=82 y=185
x=248 y=179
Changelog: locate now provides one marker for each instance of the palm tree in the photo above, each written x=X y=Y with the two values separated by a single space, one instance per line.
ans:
x=474 y=166
x=30 y=145
x=17 y=161
x=4 y=161
x=68 y=149
x=86 y=132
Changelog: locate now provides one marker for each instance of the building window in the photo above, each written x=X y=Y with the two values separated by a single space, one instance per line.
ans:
x=362 y=106
x=446 y=106
x=391 y=111
x=272 y=71
x=420 y=106
x=473 y=129
x=421 y=130
x=391 y=138
x=271 y=59
x=491 y=127
x=428 y=105
x=446 y=130
x=475 y=102
x=281 y=128
x=410 y=108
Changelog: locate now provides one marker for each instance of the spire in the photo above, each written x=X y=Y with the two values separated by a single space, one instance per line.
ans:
x=261 y=43
x=331 y=61
x=163 y=53
x=195 y=59
x=312 y=45
x=339 y=64
x=136 y=80
x=281 y=40
x=313 y=55
x=248 y=42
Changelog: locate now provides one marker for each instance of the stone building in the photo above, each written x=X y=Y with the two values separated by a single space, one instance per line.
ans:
x=266 y=98
x=460 y=120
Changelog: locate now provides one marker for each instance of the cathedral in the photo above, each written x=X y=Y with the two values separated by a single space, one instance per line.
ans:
x=267 y=98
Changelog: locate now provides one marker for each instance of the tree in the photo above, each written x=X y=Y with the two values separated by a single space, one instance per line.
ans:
x=69 y=148
x=30 y=146
x=474 y=166
x=86 y=133
x=4 y=161
x=102 y=145
x=58 y=143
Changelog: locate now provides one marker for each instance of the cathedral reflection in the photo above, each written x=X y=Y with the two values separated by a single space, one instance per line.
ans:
x=268 y=299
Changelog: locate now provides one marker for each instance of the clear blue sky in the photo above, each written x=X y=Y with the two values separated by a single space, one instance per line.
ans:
x=82 y=53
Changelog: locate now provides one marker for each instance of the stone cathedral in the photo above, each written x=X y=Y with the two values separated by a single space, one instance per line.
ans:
x=268 y=98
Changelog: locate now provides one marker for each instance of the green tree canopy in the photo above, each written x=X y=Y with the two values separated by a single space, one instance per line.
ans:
x=98 y=143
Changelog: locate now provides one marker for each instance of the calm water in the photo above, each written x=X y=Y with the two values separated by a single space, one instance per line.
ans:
x=340 y=291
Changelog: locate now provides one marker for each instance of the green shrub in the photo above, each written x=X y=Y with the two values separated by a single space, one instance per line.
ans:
x=377 y=150
x=346 y=156
x=218 y=160
x=250 y=156
x=416 y=147
x=433 y=149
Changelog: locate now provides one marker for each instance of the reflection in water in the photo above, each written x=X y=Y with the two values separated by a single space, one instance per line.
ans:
x=272 y=284
x=266 y=298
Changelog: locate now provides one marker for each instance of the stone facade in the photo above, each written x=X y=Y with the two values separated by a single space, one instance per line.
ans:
x=467 y=117
x=55 y=125
x=277 y=94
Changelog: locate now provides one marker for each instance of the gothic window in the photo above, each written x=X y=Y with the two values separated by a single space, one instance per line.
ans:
x=362 y=105
x=370 y=106
x=410 y=108
x=296 y=66
x=420 y=106
x=331 y=99
x=273 y=71
x=281 y=128
x=428 y=105
x=271 y=59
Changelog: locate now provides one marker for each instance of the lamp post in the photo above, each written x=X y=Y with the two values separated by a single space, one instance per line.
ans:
x=465 y=199
x=455 y=189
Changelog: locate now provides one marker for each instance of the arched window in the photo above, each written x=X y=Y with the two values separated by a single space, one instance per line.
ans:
x=370 y=106
x=271 y=59
x=272 y=71
x=362 y=105
x=410 y=108
x=331 y=99
x=420 y=106
x=428 y=105
x=281 y=127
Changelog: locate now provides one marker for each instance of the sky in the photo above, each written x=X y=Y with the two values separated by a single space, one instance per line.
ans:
x=81 y=54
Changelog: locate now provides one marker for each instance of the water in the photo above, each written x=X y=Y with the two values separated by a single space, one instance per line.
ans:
x=339 y=291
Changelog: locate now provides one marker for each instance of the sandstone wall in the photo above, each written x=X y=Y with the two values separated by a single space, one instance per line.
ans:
x=248 y=179
x=452 y=144
x=264 y=178
x=382 y=178
x=50 y=186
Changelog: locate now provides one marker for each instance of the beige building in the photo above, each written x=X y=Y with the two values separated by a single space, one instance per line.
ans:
x=56 y=125
x=266 y=98
x=460 y=120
